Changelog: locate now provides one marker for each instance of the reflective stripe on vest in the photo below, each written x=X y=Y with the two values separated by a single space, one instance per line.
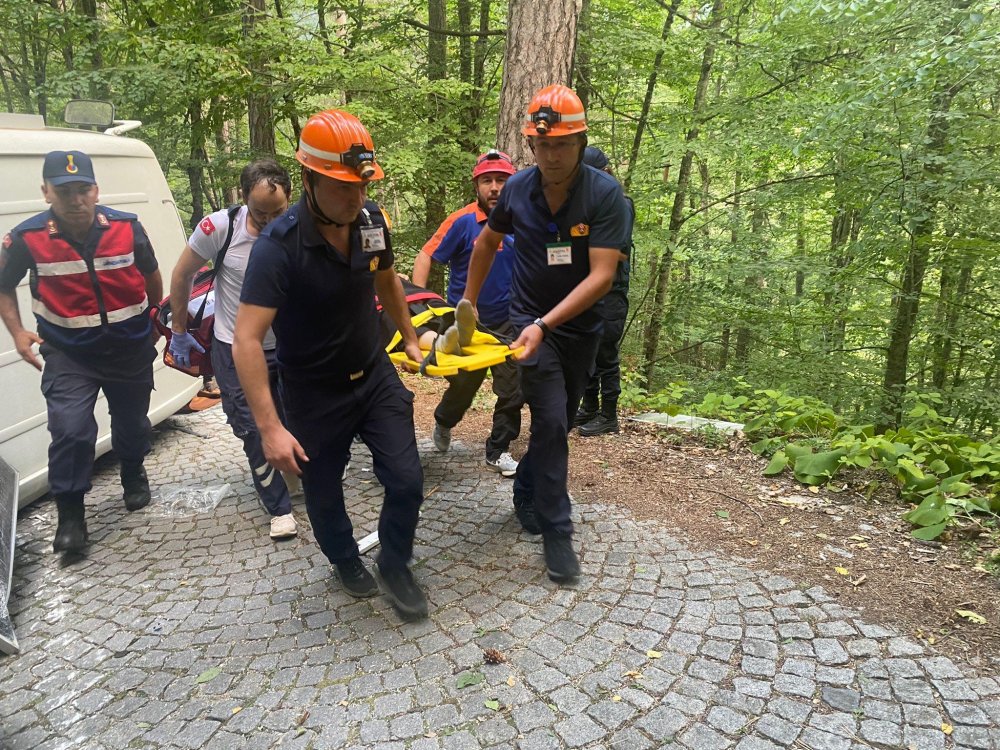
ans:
x=64 y=291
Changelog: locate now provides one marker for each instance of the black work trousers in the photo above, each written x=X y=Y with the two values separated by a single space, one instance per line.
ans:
x=462 y=389
x=324 y=418
x=553 y=386
x=606 y=381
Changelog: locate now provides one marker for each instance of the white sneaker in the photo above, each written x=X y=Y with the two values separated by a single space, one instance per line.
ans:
x=283 y=527
x=442 y=438
x=505 y=465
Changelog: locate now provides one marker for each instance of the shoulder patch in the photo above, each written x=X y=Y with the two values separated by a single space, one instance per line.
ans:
x=102 y=220
x=51 y=226
x=7 y=240
x=388 y=221
x=206 y=225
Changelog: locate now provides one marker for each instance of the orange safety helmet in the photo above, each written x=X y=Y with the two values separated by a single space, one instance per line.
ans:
x=555 y=110
x=335 y=143
x=493 y=161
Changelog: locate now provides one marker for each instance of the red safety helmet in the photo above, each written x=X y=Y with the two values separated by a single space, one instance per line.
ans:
x=555 y=110
x=335 y=143
x=493 y=161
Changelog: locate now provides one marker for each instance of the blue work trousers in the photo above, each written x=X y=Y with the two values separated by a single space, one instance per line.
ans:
x=267 y=480
x=324 y=418
x=553 y=386
x=71 y=387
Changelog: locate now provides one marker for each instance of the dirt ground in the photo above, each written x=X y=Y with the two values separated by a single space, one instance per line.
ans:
x=717 y=498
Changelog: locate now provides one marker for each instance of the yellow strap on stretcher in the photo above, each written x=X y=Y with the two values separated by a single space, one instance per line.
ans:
x=484 y=351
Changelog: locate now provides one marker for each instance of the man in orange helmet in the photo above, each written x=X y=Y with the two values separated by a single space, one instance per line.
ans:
x=568 y=221
x=312 y=277
x=452 y=245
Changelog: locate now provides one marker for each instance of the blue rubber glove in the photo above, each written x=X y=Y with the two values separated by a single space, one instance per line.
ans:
x=181 y=345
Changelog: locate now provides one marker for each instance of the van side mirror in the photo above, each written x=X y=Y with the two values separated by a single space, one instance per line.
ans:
x=89 y=112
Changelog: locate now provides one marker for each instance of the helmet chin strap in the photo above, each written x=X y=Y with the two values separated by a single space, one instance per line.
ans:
x=313 y=206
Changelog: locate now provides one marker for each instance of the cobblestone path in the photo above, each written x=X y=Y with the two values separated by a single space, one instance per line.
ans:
x=201 y=633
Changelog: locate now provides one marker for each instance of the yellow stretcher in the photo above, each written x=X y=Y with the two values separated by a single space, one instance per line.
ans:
x=485 y=350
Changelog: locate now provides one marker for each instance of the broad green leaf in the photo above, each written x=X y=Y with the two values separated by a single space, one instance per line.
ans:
x=777 y=464
x=208 y=675
x=722 y=513
x=492 y=705
x=819 y=464
x=469 y=678
x=928 y=532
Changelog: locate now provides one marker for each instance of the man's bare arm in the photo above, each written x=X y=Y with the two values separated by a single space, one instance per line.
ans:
x=281 y=449
x=10 y=313
x=389 y=289
x=421 y=269
x=180 y=287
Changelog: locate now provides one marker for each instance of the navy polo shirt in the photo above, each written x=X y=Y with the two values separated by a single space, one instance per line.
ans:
x=594 y=214
x=326 y=325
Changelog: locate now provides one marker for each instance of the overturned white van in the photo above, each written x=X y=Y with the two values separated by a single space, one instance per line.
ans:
x=130 y=179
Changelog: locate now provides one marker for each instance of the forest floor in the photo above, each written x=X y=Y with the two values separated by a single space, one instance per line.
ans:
x=846 y=538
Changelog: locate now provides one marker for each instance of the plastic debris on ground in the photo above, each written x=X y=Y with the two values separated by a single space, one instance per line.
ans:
x=187 y=501
x=686 y=422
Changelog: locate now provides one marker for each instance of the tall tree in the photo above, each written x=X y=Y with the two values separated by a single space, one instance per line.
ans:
x=541 y=38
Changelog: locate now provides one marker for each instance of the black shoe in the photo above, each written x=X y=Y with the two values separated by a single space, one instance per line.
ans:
x=356 y=578
x=524 y=509
x=584 y=415
x=136 y=486
x=599 y=425
x=407 y=598
x=560 y=559
x=71 y=531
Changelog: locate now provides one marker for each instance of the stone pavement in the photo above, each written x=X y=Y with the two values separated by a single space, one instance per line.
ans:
x=202 y=633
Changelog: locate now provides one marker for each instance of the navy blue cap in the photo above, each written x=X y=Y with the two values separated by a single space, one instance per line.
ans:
x=68 y=166
x=594 y=157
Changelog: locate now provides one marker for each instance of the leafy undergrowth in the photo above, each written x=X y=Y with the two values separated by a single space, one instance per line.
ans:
x=949 y=480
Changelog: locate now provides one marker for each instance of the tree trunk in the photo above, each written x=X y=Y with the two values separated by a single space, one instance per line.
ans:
x=924 y=211
x=648 y=99
x=437 y=70
x=541 y=38
x=651 y=339
x=196 y=164
x=260 y=114
x=949 y=315
x=581 y=62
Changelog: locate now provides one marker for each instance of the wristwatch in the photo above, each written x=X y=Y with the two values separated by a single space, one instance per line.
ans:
x=541 y=324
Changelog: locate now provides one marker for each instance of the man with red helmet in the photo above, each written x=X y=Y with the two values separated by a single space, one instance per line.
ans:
x=568 y=221
x=452 y=245
x=312 y=276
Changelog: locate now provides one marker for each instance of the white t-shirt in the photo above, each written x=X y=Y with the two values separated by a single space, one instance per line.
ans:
x=206 y=240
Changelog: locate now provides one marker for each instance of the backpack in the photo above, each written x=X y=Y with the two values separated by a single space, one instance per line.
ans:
x=201 y=312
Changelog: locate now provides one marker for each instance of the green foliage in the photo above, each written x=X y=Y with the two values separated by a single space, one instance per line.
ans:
x=947 y=476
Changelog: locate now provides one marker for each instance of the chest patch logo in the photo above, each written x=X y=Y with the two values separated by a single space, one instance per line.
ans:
x=373 y=264
x=206 y=226
x=102 y=220
x=580 y=230
x=51 y=226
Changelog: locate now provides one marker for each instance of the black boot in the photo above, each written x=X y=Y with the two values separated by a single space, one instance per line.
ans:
x=71 y=532
x=604 y=422
x=136 y=486
x=586 y=412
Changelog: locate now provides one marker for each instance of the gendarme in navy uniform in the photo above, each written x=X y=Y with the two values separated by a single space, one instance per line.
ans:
x=92 y=275
x=313 y=276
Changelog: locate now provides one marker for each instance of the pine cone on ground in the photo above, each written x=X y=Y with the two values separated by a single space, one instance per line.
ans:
x=493 y=656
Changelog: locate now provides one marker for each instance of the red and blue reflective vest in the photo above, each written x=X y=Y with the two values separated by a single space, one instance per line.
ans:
x=90 y=299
